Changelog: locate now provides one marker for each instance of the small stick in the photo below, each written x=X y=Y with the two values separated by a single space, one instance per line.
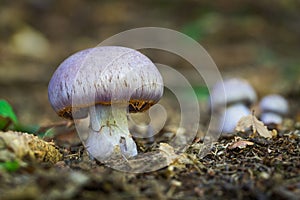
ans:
x=67 y=124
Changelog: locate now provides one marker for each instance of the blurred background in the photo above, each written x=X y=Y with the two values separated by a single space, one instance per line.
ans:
x=256 y=40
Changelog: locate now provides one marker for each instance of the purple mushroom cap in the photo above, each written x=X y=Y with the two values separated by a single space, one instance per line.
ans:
x=104 y=75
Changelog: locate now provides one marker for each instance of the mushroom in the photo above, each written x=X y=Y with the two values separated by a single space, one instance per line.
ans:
x=232 y=115
x=273 y=107
x=270 y=118
x=236 y=91
x=105 y=83
x=239 y=96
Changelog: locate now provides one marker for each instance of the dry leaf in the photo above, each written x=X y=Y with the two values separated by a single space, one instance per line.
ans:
x=168 y=152
x=240 y=144
x=257 y=126
x=17 y=145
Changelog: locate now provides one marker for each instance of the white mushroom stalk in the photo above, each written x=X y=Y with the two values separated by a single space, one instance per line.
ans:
x=108 y=132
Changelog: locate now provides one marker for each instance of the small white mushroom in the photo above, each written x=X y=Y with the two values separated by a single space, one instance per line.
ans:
x=239 y=96
x=271 y=118
x=273 y=107
x=236 y=91
x=233 y=114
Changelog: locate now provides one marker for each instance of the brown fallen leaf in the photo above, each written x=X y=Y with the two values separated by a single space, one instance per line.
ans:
x=257 y=126
x=240 y=144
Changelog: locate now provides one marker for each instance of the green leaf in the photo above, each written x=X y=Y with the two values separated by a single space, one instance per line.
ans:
x=6 y=111
x=10 y=166
x=7 y=114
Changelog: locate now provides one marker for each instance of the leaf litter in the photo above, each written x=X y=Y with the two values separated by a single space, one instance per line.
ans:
x=235 y=167
x=240 y=143
x=250 y=121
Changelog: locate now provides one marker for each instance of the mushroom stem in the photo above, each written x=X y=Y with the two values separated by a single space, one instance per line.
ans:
x=108 y=130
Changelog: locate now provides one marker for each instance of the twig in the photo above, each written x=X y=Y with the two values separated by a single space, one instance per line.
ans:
x=67 y=124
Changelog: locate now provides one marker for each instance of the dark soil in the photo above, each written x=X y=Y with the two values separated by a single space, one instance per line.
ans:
x=268 y=169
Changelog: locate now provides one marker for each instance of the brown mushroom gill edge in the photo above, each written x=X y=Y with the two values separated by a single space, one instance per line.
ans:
x=134 y=106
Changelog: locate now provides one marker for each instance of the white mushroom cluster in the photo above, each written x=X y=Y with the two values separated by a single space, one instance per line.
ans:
x=273 y=108
x=237 y=102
